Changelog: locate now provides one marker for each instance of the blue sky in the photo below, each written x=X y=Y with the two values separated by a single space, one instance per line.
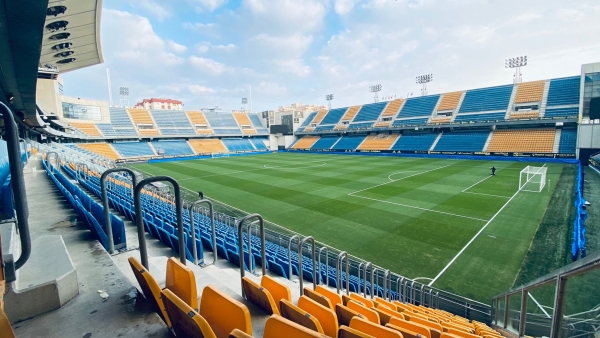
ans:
x=208 y=53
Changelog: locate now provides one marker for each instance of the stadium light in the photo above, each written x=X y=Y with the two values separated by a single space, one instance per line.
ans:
x=375 y=89
x=244 y=102
x=516 y=63
x=124 y=91
x=424 y=80
x=329 y=98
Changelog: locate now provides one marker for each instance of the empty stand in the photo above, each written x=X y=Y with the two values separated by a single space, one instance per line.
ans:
x=237 y=314
x=488 y=117
x=308 y=119
x=107 y=129
x=173 y=122
x=121 y=122
x=278 y=326
x=172 y=147
x=392 y=108
x=185 y=320
x=260 y=128
x=462 y=141
x=562 y=112
x=222 y=123
x=522 y=140
x=324 y=128
x=133 y=149
x=370 y=112
x=568 y=141
x=325 y=142
x=564 y=91
x=520 y=115
x=450 y=101
x=141 y=116
x=334 y=116
x=407 y=122
x=305 y=142
x=530 y=92
x=319 y=116
x=415 y=141
x=361 y=125
x=350 y=142
x=102 y=149
x=210 y=146
x=379 y=142
x=373 y=329
x=441 y=119
x=326 y=317
x=486 y=99
x=299 y=316
x=87 y=128
x=351 y=113
x=238 y=144
x=244 y=122
x=419 y=106
x=259 y=143
x=199 y=122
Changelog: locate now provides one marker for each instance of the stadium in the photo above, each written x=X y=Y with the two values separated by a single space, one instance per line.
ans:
x=459 y=214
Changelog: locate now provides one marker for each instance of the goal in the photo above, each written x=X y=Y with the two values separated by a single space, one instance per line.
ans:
x=218 y=155
x=532 y=179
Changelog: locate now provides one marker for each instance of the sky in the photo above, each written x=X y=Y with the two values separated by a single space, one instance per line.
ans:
x=209 y=53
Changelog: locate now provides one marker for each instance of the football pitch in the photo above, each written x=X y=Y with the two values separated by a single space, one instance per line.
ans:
x=441 y=221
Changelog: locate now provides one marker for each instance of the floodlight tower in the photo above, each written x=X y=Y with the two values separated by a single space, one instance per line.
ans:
x=244 y=102
x=516 y=63
x=375 y=89
x=124 y=91
x=424 y=80
x=329 y=98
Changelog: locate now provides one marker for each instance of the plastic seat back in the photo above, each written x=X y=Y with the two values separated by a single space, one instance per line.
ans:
x=412 y=326
x=367 y=313
x=317 y=297
x=385 y=302
x=389 y=312
x=384 y=317
x=223 y=313
x=182 y=282
x=406 y=333
x=333 y=297
x=325 y=316
x=185 y=320
x=348 y=332
x=447 y=325
x=277 y=289
x=297 y=315
x=367 y=302
x=260 y=296
x=239 y=334
x=373 y=329
x=5 y=328
x=427 y=323
x=277 y=326
x=345 y=314
x=461 y=333
x=150 y=289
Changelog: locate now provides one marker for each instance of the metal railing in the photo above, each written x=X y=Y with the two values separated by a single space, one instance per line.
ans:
x=193 y=229
x=524 y=321
x=314 y=264
x=263 y=254
x=107 y=215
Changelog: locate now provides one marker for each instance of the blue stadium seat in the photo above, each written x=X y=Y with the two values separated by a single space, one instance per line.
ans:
x=419 y=106
x=173 y=147
x=363 y=125
x=568 y=141
x=238 y=144
x=415 y=142
x=489 y=117
x=325 y=142
x=562 y=112
x=106 y=129
x=227 y=131
x=121 y=123
x=486 y=99
x=259 y=143
x=221 y=120
x=260 y=129
x=133 y=149
x=462 y=141
x=370 y=112
x=407 y=122
x=324 y=128
x=350 y=142
x=564 y=91
x=334 y=116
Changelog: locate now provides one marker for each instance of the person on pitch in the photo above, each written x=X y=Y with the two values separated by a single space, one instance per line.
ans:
x=493 y=171
x=201 y=195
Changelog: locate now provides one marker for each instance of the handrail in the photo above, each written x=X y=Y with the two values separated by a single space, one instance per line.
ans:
x=18 y=184
x=399 y=282
x=406 y=290
x=241 y=247
x=373 y=282
x=358 y=275
x=107 y=218
x=326 y=266
x=290 y=255
x=386 y=276
x=338 y=272
x=193 y=229
x=82 y=165
x=421 y=295
x=300 y=270
x=249 y=234
x=137 y=200
x=56 y=159
x=365 y=276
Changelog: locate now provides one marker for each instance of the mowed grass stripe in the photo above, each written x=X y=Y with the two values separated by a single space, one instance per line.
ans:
x=315 y=201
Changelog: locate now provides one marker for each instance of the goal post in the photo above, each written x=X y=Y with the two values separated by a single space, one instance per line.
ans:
x=532 y=178
x=219 y=155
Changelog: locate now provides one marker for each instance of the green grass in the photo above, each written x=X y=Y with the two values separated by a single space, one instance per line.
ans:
x=414 y=225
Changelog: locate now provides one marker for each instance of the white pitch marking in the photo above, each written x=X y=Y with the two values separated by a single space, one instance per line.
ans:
x=400 y=172
x=474 y=237
x=400 y=179
x=425 y=209
x=476 y=183
x=283 y=167
x=478 y=193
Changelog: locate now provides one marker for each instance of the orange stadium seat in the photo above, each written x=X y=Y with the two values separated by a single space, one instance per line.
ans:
x=210 y=146
x=392 y=108
x=102 y=149
x=231 y=315
x=530 y=92
x=333 y=297
x=450 y=101
x=379 y=142
x=523 y=140
x=305 y=142
x=199 y=122
x=326 y=317
x=278 y=326
x=186 y=321
x=367 y=313
x=350 y=113
x=87 y=128
x=373 y=329
x=299 y=316
x=319 y=298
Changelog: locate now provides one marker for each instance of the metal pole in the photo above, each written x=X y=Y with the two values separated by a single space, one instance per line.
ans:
x=193 y=229
x=18 y=184
x=399 y=282
x=290 y=255
x=241 y=247
x=367 y=265
x=421 y=295
x=358 y=275
x=338 y=274
x=523 y=318
x=559 y=302
x=437 y=300
x=373 y=271
x=506 y=300
x=406 y=290
x=386 y=275
x=107 y=218
x=137 y=200
x=300 y=271
x=326 y=266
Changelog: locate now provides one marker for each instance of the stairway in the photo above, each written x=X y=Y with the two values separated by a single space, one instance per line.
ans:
x=544 y=99
x=511 y=102
x=489 y=139
x=556 y=145
x=455 y=112
x=436 y=141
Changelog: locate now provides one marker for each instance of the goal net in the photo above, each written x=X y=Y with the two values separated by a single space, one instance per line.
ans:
x=218 y=155
x=532 y=179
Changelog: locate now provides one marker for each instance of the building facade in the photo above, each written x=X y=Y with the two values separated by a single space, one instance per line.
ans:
x=160 y=104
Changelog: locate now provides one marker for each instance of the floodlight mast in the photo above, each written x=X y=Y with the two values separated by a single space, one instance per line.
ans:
x=516 y=63
x=329 y=98
x=424 y=80
x=375 y=89
x=124 y=91
x=244 y=102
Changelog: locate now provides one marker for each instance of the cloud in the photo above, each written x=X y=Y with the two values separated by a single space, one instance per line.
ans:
x=293 y=66
x=294 y=45
x=570 y=14
x=157 y=10
x=209 y=5
x=206 y=46
x=200 y=90
x=209 y=66
x=343 y=7
x=177 y=48
x=198 y=26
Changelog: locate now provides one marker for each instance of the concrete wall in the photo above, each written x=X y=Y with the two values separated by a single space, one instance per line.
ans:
x=48 y=96
x=104 y=108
